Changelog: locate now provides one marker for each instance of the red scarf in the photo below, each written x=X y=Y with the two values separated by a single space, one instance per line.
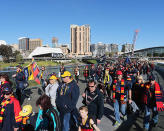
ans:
x=158 y=96
x=86 y=72
x=122 y=90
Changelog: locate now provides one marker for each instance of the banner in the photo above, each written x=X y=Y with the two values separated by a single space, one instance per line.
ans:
x=32 y=72
x=35 y=71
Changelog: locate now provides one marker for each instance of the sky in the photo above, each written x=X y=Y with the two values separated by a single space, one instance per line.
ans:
x=111 y=21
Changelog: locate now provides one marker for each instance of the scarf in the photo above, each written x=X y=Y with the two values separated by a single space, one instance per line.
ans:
x=158 y=96
x=2 y=108
x=25 y=120
x=122 y=89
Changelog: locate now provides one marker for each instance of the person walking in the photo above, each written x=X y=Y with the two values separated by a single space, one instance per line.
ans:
x=4 y=79
x=76 y=73
x=43 y=77
x=20 y=80
x=48 y=117
x=86 y=73
x=120 y=91
x=152 y=101
x=10 y=120
x=86 y=123
x=51 y=89
x=93 y=99
x=66 y=100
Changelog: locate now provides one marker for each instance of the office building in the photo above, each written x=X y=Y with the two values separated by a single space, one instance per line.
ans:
x=100 y=49
x=33 y=43
x=127 y=48
x=80 y=40
x=23 y=43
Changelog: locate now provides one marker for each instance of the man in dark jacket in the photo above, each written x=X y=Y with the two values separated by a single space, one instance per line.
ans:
x=20 y=81
x=66 y=100
x=93 y=99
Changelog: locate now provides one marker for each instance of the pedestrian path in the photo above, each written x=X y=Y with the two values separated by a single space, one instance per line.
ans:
x=132 y=124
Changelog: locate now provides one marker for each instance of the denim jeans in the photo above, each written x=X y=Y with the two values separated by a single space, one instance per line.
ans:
x=66 y=121
x=147 y=116
x=117 y=104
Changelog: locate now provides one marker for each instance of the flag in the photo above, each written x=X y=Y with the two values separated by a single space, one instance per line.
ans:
x=35 y=72
x=30 y=72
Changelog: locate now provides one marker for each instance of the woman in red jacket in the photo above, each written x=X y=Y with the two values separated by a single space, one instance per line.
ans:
x=4 y=78
x=9 y=111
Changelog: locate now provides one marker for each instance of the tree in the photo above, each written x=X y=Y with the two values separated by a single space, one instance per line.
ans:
x=6 y=52
x=17 y=56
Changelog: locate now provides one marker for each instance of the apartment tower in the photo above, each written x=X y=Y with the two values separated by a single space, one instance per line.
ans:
x=80 y=40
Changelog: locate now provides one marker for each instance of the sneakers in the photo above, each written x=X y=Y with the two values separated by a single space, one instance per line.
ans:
x=125 y=117
x=116 y=124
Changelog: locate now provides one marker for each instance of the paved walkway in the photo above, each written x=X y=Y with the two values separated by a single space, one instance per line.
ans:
x=132 y=124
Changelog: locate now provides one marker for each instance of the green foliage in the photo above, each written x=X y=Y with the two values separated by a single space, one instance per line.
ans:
x=17 y=56
x=92 y=61
x=6 y=52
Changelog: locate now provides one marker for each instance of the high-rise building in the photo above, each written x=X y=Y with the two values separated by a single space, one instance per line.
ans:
x=101 y=49
x=33 y=43
x=80 y=39
x=114 y=48
x=23 y=43
x=127 y=47
x=54 y=42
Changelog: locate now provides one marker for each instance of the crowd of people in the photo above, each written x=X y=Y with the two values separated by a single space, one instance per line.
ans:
x=120 y=83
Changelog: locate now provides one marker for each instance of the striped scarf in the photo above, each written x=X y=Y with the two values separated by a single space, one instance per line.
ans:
x=122 y=89
x=158 y=96
x=2 y=108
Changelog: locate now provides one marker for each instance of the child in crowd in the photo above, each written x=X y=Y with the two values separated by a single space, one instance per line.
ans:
x=86 y=122
x=29 y=118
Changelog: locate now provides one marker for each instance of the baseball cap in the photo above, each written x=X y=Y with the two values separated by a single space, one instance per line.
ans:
x=119 y=72
x=53 y=77
x=66 y=74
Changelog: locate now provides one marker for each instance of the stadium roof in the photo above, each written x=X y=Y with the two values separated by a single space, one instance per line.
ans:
x=44 y=50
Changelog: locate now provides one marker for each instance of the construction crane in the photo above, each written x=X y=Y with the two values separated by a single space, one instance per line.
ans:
x=134 y=40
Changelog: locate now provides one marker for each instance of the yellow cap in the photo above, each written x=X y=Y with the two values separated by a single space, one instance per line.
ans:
x=27 y=109
x=65 y=74
x=53 y=77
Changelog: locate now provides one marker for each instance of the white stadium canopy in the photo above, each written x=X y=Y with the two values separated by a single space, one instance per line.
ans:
x=45 y=50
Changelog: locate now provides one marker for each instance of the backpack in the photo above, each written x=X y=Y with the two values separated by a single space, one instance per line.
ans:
x=57 y=119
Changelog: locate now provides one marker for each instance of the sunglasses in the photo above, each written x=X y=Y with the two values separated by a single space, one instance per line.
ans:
x=91 y=86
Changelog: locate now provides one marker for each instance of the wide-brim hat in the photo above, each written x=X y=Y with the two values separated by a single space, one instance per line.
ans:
x=27 y=110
